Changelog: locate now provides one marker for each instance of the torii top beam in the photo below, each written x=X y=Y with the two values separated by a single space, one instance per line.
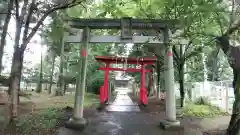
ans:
x=109 y=23
x=118 y=60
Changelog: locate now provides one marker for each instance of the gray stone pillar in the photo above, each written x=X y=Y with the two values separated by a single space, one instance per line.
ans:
x=169 y=87
x=77 y=122
x=169 y=83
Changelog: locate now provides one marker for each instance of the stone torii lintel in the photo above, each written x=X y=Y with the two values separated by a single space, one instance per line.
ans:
x=112 y=23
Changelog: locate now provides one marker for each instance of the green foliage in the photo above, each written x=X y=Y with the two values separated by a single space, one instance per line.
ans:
x=196 y=23
x=202 y=107
x=95 y=81
x=202 y=101
x=46 y=119
x=92 y=100
x=218 y=67
x=202 y=111
x=4 y=80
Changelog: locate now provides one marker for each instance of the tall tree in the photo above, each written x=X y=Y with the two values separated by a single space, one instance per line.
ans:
x=233 y=54
x=40 y=80
x=53 y=56
x=4 y=30
x=55 y=34
x=27 y=15
x=228 y=25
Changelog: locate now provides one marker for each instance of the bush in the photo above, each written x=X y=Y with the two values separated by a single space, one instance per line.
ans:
x=202 y=101
x=202 y=110
x=94 y=83
x=202 y=107
x=37 y=122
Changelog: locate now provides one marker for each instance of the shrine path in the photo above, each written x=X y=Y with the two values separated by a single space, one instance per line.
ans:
x=123 y=117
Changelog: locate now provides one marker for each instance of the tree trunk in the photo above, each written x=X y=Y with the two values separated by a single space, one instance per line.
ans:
x=134 y=87
x=154 y=83
x=65 y=88
x=151 y=84
x=54 y=92
x=61 y=76
x=233 y=54
x=148 y=86
x=64 y=72
x=4 y=32
x=234 y=125
x=181 y=84
x=39 y=86
x=15 y=77
x=52 y=72
x=158 y=80
x=26 y=87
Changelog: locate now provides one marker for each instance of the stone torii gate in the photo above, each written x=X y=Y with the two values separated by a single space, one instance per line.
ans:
x=126 y=25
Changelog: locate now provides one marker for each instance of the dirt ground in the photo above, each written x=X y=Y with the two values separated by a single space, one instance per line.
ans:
x=208 y=126
x=37 y=103
x=41 y=101
x=104 y=123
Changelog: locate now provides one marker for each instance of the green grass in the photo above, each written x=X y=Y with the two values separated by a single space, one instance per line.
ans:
x=91 y=100
x=202 y=110
x=44 y=120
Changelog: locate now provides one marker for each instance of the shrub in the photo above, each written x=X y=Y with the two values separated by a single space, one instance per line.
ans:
x=202 y=110
x=37 y=122
x=95 y=81
x=202 y=101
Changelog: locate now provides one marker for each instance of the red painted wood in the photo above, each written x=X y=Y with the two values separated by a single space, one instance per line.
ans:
x=142 y=87
x=112 y=59
x=121 y=69
x=83 y=52
x=142 y=61
x=106 y=74
x=144 y=96
x=169 y=53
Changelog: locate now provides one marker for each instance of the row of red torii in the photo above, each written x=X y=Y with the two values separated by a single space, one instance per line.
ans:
x=108 y=60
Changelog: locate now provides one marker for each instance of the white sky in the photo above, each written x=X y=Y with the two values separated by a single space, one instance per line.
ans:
x=32 y=56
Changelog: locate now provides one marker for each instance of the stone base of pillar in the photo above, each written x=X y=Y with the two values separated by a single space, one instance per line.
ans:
x=78 y=124
x=171 y=125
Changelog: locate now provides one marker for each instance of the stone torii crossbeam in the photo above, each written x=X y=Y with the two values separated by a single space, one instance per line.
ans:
x=126 y=25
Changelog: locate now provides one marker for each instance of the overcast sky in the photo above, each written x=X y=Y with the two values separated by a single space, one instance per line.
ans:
x=33 y=55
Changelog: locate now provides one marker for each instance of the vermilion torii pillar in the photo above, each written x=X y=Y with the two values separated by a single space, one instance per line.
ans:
x=113 y=60
x=143 y=91
x=106 y=80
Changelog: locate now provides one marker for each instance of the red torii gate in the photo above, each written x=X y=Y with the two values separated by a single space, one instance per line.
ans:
x=143 y=61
